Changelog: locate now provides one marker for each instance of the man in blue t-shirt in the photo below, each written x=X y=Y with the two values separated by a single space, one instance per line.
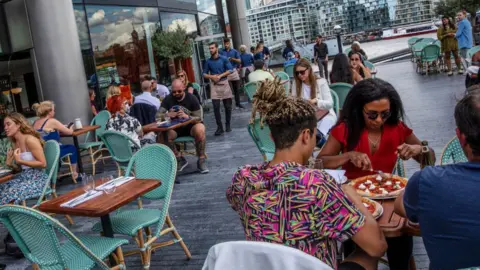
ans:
x=444 y=199
x=234 y=78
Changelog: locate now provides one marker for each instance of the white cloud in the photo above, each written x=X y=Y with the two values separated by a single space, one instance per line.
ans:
x=82 y=29
x=140 y=13
x=187 y=24
x=97 y=18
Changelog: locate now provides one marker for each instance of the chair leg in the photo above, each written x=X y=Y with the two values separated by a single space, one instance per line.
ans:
x=92 y=158
x=119 y=253
x=141 y=244
x=35 y=267
x=71 y=169
x=178 y=238
x=69 y=219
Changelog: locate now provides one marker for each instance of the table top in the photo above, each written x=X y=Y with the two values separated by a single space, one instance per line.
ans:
x=83 y=130
x=7 y=177
x=103 y=204
x=154 y=126
x=394 y=225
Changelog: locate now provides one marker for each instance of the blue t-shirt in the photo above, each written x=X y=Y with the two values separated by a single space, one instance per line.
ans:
x=217 y=66
x=445 y=201
x=290 y=62
x=258 y=56
x=464 y=34
x=247 y=59
x=286 y=51
x=266 y=51
x=232 y=53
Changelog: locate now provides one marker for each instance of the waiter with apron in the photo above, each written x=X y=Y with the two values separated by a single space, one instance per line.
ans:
x=234 y=57
x=217 y=68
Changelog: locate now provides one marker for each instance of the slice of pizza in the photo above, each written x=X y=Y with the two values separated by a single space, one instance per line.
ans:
x=373 y=207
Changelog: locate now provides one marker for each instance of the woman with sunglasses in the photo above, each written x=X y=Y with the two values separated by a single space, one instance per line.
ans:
x=316 y=91
x=182 y=76
x=369 y=136
x=358 y=67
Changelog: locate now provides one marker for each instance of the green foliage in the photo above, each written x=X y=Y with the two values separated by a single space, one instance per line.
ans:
x=172 y=44
x=451 y=7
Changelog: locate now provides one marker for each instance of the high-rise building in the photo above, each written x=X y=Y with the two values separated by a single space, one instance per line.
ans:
x=322 y=15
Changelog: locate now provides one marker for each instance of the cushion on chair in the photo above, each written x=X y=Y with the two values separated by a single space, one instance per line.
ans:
x=128 y=222
x=100 y=246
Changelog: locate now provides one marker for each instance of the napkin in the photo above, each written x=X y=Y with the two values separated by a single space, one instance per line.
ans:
x=338 y=175
x=117 y=182
x=82 y=198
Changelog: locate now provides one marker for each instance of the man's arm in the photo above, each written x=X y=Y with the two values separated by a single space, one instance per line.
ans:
x=236 y=59
x=326 y=51
x=460 y=29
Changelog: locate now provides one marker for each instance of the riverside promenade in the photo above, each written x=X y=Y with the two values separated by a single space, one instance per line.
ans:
x=199 y=208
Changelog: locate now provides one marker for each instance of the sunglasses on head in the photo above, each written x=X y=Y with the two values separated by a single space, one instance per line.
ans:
x=372 y=115
x=301 y=72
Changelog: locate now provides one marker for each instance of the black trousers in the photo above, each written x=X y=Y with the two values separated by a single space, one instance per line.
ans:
x=227 y=104
x=399 y=251
x=323 y=66
x=236 y=85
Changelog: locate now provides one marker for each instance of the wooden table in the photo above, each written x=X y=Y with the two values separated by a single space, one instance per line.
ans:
x=102 y=205
x=164 y=130
x=392 y=224
x=75 y=134
x=7 y=177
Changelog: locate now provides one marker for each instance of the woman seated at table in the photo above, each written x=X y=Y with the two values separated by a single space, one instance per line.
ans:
x=182 y=75
x=316 y=91
x=50 y=129
x=358 y=67
x=122 y=122
x=370 y=135
x=342 y=71
x=112 y=91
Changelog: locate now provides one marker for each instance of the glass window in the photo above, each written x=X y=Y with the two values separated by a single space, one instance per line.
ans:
x=121 y=40
x=209 y=24
x=170 y=21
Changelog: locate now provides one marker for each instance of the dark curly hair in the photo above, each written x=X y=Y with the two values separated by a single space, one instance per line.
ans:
x=467 y=118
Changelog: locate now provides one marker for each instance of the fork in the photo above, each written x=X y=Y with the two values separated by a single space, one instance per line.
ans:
x=382 y=174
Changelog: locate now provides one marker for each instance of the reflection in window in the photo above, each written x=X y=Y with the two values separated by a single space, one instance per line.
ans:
x=170 y=21
x=121 y=39
x=209 y=24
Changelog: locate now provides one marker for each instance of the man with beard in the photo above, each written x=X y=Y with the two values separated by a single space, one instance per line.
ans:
x=217 y=68
x=182 y=105
x=234 y=57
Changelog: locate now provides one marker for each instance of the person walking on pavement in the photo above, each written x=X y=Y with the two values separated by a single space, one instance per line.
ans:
x=234 y=79
x=217 y=68
x=446 y=34
x=320 y=51
x=464 y=36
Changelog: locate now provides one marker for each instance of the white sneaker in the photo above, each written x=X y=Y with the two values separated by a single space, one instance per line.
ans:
x=460 y=71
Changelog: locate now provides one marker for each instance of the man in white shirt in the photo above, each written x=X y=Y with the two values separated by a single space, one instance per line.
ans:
x=161 y=90
x=259 y=74
x=146 y=97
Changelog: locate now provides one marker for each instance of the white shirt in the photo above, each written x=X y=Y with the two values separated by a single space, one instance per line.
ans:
x=259 y=75
x=162 y=91
x=323 y=95
x=147 y=98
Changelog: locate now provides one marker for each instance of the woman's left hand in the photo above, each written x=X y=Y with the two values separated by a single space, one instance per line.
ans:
x=313 y=101
x=16 y=156
x=407 y=151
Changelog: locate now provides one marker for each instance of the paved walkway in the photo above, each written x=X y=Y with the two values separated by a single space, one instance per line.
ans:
x=199 y=208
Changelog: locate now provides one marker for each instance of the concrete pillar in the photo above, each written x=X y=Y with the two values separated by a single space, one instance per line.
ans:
x=57 y=58
x=238 y=23
x=221 y=16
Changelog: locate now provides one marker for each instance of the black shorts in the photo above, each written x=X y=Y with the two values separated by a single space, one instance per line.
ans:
x=350 y=266
x=184 y=131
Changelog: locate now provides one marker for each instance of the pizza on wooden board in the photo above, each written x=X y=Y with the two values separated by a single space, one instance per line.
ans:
x=373 y=207
x=374 y=186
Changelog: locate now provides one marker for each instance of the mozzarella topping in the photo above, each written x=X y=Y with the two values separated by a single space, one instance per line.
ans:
x=398 y=182
x=396 y=187
x=365 y=204
x=388 y=183
x=362 y=186
x=366 y=191
x=368 y=182
x=384 y=192
x=379 y=178
x=372 y=187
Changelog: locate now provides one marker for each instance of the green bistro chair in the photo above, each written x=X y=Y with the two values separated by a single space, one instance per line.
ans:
x=452 y=153
x=289 y=70
x=471 y=52
x=412 y=41
x=341 y=89
x=336 y=102
x=182 y=142
x=251 y=89
x=371 y=66
x=429 y=56
x=95 y=147
x=155 y=162
x=417 y=52
x=428 y=40
x=37 y=236
x=284 y=77
x=120 y=147
x=262 y=138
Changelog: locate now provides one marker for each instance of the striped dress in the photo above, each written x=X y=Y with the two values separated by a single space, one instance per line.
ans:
x=296 y=206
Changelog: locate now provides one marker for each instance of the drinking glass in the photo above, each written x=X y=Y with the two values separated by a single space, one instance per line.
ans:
x=314 y=163
x=109 y=189
x=88 y=184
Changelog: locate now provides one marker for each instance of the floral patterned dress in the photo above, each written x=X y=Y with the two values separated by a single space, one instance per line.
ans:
x=28 y=184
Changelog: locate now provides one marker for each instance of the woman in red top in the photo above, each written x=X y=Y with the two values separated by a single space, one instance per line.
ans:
x=370 y=135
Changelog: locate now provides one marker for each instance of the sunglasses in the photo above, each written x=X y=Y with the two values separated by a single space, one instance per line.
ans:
x=301 y=72
x=181 y=75
x=372 y=115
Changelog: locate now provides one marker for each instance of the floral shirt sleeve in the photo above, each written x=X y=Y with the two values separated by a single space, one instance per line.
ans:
x=338 y=218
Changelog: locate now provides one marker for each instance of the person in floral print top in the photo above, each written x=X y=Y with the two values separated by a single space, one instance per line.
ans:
x=285 y=202
x=122 y=122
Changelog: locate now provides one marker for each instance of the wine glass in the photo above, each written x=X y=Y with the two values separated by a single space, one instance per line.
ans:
x=87 y=184
x=109 y=189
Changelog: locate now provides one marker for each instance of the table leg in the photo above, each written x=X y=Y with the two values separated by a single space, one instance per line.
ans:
x=79 y=158
x=108 y=232
x=165 y=137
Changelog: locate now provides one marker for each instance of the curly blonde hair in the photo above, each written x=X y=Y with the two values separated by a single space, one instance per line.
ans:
x=25 y=127
x=43 y=108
